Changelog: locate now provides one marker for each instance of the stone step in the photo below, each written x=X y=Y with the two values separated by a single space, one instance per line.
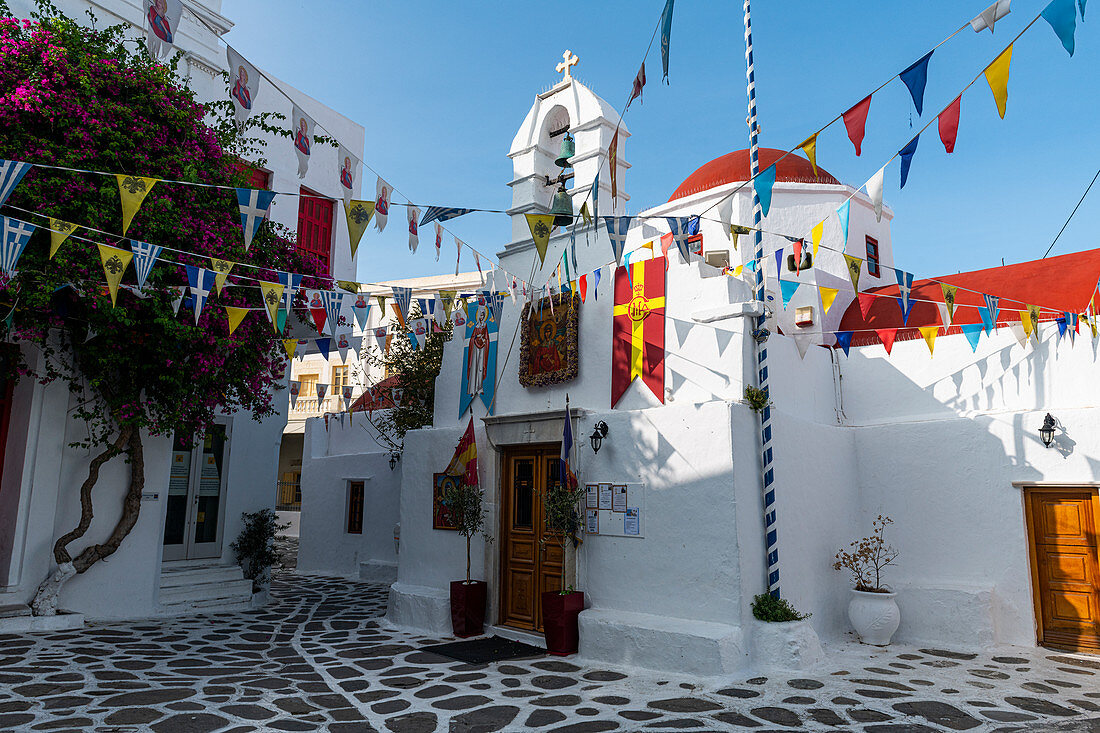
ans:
x=225 y=590
x=174 y=577
x=14 y=610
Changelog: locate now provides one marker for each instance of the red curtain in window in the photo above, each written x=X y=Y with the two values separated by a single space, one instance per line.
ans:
x=315 y=226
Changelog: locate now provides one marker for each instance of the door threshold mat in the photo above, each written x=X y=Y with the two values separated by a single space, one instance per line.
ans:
x=486 y=649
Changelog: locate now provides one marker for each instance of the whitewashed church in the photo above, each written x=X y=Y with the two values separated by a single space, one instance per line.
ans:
x=996 y=529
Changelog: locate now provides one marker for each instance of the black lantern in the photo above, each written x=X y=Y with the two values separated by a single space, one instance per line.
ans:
x=1047 y=431
x=599 y=432
x=394 y=458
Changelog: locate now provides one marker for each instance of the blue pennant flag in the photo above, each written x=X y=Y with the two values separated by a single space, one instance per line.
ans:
x=973 y=332
x=788 y=287
x=145 y=256
x=201 y=282
x=441 y=213
x=254 y=205
x=763 y=184
x=905 y=285
x=906 y=154
x=779 y=263
x=991 y=302
x=323 y=346
x=666 y=35
x=1062 y=325
x=617 y=227
x=16 y=235
x=1081 y=3
x=11 y=172
x=596 y=197
x=987 y=318
x=680 y=227
x=843 y=212
x=915 y=78
x=844 y=340
x=1063 y=19
x=596 y=284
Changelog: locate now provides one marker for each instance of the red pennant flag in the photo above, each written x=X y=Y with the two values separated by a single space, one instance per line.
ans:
x=886 y=336
x=582 y=284
x=666 y=242
x=638 y=328
x=639 y=82
x=949 y=124
x=798 y=256
x=855 y=120
x=865 y=301
x=318 y=318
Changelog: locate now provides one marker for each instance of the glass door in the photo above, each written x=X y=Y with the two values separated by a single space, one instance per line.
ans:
x=196 y=495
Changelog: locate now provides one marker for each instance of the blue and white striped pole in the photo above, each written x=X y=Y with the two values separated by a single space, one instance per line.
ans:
x=771 y=545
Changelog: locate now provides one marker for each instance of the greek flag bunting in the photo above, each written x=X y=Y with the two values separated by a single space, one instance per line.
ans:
x=333 y=300
x=992 y=303
x=145 y=256
x=254 y=205
x=442 y=213
x=403 y=296
x=905 y=285
x=292 y=283
x=201 y=282
x=11 y=172
x=16 y=234
x=680 y=226
x=617 y=228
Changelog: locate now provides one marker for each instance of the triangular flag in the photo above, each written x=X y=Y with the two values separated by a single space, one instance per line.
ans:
x=323 y=346
x=201 y=282
x=973 y=332
x=11 y=172
x=1034 y=312
x=540 y=226
x=181 y=291
x=222 y=268
x=272 y=293
x=666 y=36
x=992 y=303
x=1063 y=19
x=617 y=228
x=886 y=336
x=828 y=295
x=779 y=263
x=613 y=164
x=582 y=286
x=802 y=342
x=414 y=231
x=866 y=300
x=788 y=288
x=855 y=266
x=235 y=315
x=815 y=236
x=382 y=192
x=949 y=124
x=360 y=309
x=322 y=389
x=949 y=299
x=680 y=227
x=809 y=147
x=855 y=120
x=59 y=232
x=290 y=346
x=874 y=190
x=1025 y=320
x=14 y=235
x=988 y=17
x=915 y=79
x=842 y=213
x=586 y=215
x=596 y=284
x=905 y=285
x=358 y=214
x=996 y=75
x=115 y=261
x=987 y=319
x=929 y=334
x=254 y=205
x=343 y=343
x=763 y=184
x=295 y=389
x=906 y=154
x=844 y=340
x=1018 y=331
x=132 y=190
x=145 y=256
x=333 y=301
x=438 y=239
x=1081 y=4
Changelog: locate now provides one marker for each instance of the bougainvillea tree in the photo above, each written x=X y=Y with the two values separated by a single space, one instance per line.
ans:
x=92 y=99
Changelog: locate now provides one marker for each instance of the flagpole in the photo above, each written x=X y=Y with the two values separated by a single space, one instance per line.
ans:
x=767 y=473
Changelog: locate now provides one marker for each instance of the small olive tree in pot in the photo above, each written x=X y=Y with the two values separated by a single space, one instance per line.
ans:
x=561 y=608
x=468 y=596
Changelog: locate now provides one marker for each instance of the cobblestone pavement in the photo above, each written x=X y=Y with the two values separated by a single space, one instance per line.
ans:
x=317 y=658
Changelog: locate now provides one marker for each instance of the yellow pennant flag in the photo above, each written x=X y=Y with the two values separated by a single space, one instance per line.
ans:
x=737 y=270
x=949 y=299
x=996 y=75
x=132 y=190
x=855 y=266
x=59 y=232
x=540 y=225
x=273 y=295
x=586 y=215
x=348 y=285
x=828 y=295
x=235 y=315
x=929 y=334
x=222 y=268
x=290 y=345
x=1033 y=311
x=809 y=147
x=1025 y=319
x=359 y=214
x=735 y=230
x=115 y=261
x=815 y=235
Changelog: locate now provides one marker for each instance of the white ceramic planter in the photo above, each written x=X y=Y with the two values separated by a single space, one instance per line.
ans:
x=875 y=616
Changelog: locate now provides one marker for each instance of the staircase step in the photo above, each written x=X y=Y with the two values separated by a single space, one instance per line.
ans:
x=231 y=589
x=14 y=610
x=173 y=577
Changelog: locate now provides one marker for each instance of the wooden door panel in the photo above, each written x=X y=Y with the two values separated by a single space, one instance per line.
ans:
x=1065 y=520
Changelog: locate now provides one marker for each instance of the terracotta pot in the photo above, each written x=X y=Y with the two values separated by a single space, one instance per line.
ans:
x=874 y=616
x=468 y=607
x=559 y=621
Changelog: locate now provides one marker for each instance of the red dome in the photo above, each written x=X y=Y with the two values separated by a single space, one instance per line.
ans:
x=734 y=167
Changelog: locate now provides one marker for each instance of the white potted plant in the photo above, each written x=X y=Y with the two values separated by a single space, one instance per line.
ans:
x=873 y=609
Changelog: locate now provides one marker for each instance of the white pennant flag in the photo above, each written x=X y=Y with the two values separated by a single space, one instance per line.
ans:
x=181 y=290
x=438 y=239
x=302 y=126
x=458 y=257
x=988 y=17
x=244 y=81
x=380 y=337
x=162 y=20
x=343 y=343
x=361 y=309
x=321 y=389
x=383 y=191
x=414 y=231
x=295 y=388
x=874 y=190
x=349 y=173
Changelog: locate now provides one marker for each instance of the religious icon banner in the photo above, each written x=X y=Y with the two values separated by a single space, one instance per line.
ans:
x=302 y=124
x=245 y=81
x=549 y=349
x=163 y=19
x=349 y=172
x=638 y=328
x=479 y=358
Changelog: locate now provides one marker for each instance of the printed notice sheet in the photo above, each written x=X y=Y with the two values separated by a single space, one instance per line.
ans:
x=615 y=509
x=592 y=523
x=618 y=498
x=605 y=497
x=591 y=496
x=630 y=522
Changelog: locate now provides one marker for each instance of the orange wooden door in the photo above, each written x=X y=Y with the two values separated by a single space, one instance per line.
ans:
x=529 y=565
x=1064 y=551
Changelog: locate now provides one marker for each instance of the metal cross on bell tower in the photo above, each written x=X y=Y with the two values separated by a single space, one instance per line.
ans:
x=568 y=60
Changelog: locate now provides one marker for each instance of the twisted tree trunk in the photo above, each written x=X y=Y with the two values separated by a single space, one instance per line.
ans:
x=129 y=442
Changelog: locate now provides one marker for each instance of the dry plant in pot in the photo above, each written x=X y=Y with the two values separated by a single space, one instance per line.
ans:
x=467 y=597
x=873 y=609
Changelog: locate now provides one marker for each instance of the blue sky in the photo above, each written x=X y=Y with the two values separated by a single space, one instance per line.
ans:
x=441 y=88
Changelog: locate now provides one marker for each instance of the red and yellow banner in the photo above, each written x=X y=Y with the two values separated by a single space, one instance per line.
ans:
x=638 y=328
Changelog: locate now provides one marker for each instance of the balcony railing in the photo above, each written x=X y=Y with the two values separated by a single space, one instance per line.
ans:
x=288 y=496
x=305 y=407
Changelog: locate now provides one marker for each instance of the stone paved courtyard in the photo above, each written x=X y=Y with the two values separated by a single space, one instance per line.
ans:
x=317 y=658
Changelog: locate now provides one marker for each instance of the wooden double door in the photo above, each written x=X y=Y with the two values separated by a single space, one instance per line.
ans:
x=1063 y=527
x=531 y=560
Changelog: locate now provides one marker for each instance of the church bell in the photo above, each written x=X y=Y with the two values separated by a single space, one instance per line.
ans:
x=562 y=206
x=568 y=150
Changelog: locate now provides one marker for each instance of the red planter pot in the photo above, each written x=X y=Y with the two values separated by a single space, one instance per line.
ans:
x=468 y=607
x=559 y=620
